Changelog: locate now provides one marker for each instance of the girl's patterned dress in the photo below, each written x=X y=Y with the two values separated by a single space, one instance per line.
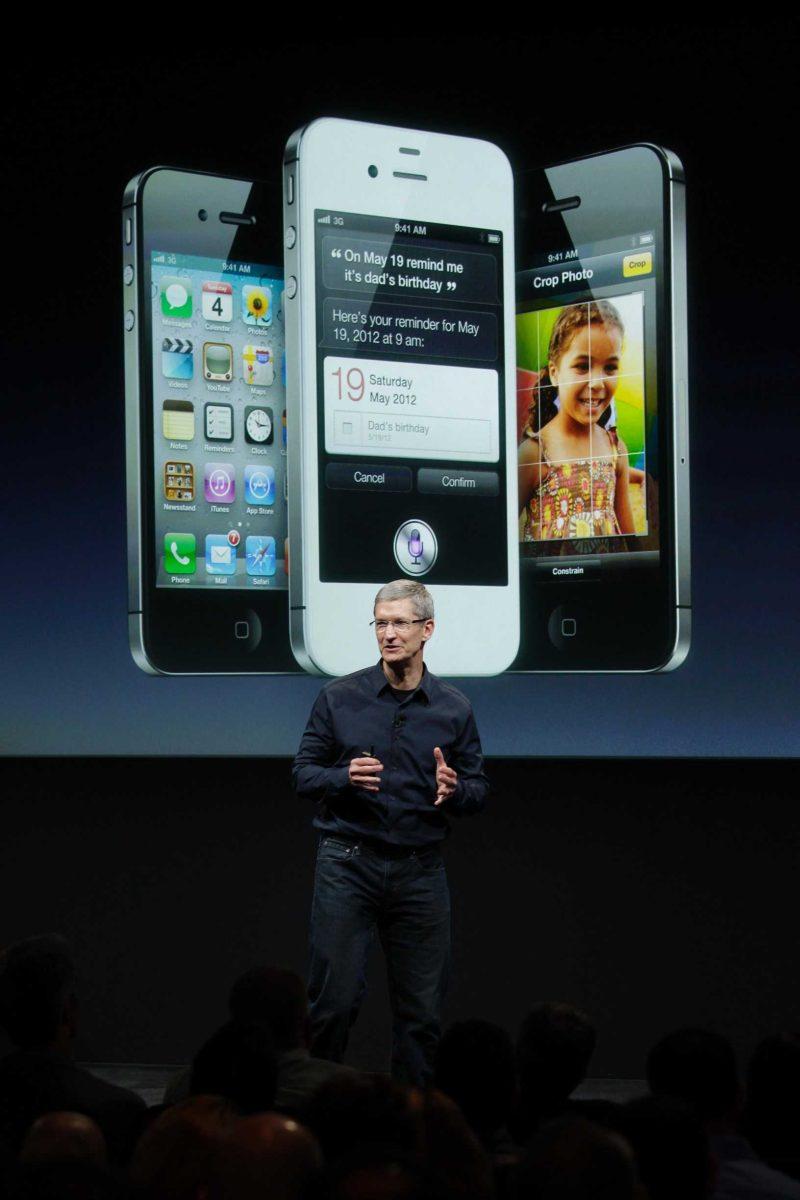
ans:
x=575 y=499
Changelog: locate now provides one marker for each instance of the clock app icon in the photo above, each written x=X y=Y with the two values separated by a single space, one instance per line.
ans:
x=258 y=427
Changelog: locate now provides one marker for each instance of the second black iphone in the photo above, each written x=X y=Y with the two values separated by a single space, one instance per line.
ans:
x=602 y=418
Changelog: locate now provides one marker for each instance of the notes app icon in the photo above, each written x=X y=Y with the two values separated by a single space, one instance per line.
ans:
x=177 y=420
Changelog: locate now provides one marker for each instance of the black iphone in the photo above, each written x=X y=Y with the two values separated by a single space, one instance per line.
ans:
x=202 y=290
x=602 y=417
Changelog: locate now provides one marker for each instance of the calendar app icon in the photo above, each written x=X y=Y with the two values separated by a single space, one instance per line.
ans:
x=217 y=301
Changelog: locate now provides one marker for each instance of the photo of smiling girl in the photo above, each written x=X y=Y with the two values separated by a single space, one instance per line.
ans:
x=574 y=468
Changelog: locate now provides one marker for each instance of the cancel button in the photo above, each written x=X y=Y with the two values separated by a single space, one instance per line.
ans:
x=367 y=477
x=458 y=483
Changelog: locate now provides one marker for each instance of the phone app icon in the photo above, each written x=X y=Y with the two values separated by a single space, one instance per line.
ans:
x=176 y=296
x=217 y=301
x=177 y=420
x=218 y=361
x=256 y=305
x=258 y=367
x=180 y=553
x=258 y=425
x=179 y=482
x=219 y=484
x=219 y=422
x=176 y=358
x=260 y=554
x=220 y=555
x=259 y=484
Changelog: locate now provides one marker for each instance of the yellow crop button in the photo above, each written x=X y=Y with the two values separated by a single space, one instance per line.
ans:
x=637 y=264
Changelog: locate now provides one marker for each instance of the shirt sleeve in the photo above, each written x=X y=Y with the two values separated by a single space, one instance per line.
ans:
x=314 y=773
x=472 y=790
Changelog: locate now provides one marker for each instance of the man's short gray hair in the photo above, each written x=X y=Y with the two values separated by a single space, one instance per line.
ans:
x=408 y=589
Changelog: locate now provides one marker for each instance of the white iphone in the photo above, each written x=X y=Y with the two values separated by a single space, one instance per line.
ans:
x=400 y=390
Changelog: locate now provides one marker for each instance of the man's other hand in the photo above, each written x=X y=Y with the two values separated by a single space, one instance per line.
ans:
x=365 y=773
x=446 y=778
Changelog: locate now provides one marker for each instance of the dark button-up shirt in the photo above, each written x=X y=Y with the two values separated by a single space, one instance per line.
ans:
x=358 y=715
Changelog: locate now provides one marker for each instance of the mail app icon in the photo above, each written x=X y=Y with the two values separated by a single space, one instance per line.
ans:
x=220 y=555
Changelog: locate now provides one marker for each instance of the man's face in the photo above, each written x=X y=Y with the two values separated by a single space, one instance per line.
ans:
x=400 y=643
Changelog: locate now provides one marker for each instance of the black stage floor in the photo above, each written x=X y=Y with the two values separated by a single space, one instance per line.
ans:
x=149 y=1081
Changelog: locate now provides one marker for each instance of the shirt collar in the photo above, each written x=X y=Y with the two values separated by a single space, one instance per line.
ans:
x=378 y=681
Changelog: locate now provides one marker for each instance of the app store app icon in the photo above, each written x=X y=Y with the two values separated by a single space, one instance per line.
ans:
x=259 y=484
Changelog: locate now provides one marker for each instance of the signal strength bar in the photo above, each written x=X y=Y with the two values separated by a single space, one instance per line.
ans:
x=324 y=220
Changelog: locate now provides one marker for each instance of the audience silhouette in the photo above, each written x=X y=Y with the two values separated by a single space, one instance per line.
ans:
x=39 y=1012
x=554 y=1048
x=698 y=1066
x=256 y=1118
x=276 y=998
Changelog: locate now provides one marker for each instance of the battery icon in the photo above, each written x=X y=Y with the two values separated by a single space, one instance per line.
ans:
x=645 y=239
x=494 y=238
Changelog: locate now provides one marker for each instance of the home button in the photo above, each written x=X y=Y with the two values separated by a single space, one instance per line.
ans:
x=247 y=630
x=565 y=626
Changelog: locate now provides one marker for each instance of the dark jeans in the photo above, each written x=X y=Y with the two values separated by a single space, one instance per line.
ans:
x=357 y=891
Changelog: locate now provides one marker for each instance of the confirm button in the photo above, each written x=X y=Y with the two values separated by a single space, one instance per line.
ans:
x=457 y=483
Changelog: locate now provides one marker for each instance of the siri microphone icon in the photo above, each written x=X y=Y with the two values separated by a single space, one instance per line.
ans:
x=415 y=546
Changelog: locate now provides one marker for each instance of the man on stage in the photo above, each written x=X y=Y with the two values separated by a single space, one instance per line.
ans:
x=386 y=754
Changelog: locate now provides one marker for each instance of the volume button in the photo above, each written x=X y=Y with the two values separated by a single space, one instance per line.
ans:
x=290 y=188
x=683 y=422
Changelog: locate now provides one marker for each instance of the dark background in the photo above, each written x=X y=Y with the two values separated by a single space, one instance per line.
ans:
x=615 y=868
x=652 y=893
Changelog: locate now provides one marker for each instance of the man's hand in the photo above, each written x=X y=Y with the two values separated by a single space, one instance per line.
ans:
x=365 y=773
x=446 y=778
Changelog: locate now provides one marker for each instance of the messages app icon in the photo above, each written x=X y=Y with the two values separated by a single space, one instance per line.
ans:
x=180 y=553
x=176 y=296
